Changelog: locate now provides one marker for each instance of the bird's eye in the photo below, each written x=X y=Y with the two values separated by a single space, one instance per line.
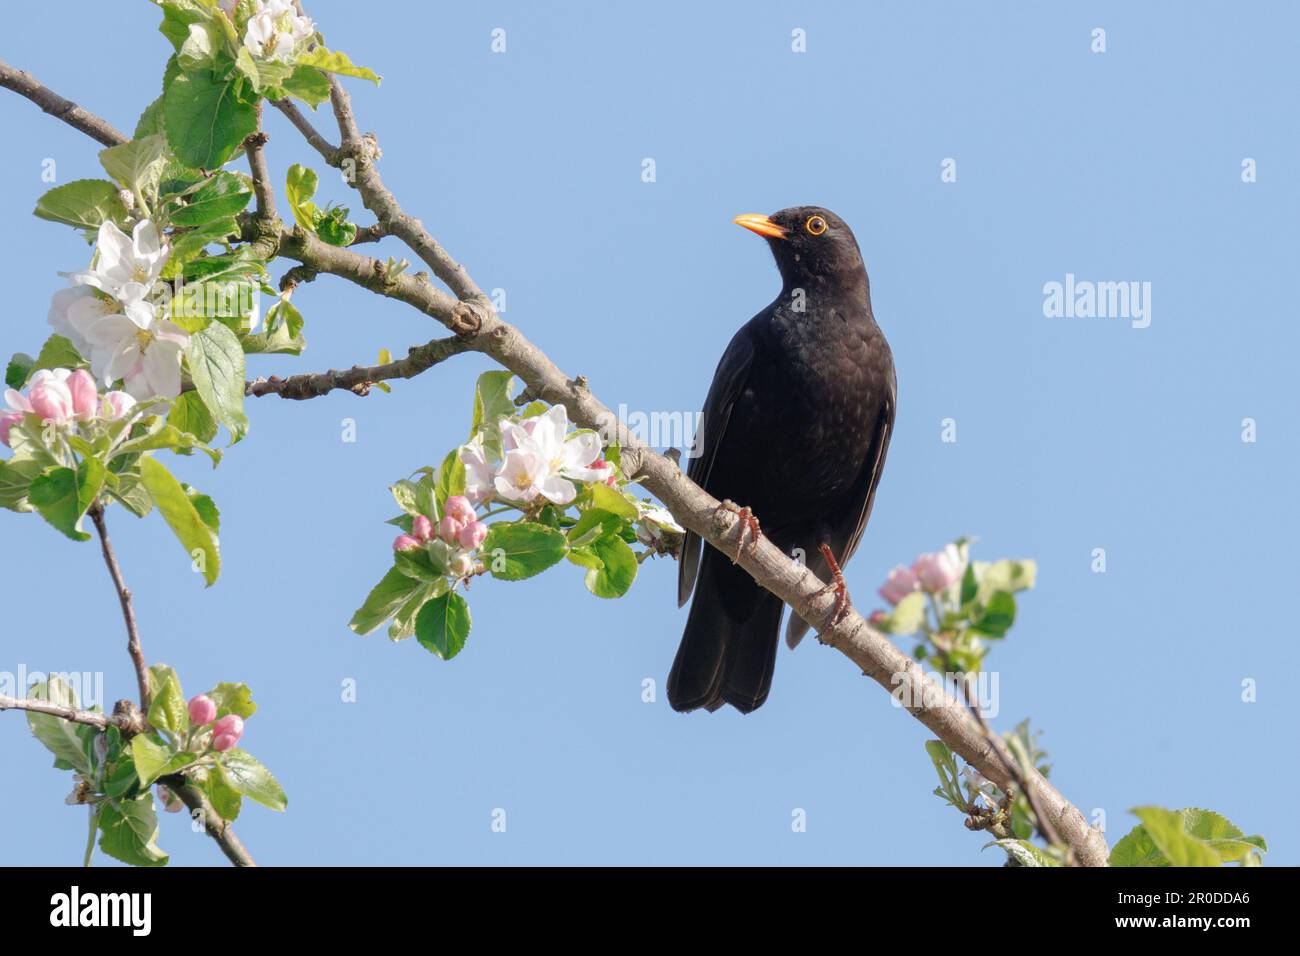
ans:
x=816 y=225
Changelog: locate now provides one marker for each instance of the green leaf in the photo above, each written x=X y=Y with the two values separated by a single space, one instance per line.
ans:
x=233 y=698
x=152 y=759
x=84 y=203
x=136 y=165
x=1180 y=848
x=403 y=625
x=907 y=616
x=996 y=617
x=246 y=774
x=1004 y=575
x=217 y=366
x=188 y=244
x=333 y=61
x=226 y=800
x=299 y=187
x=179 y=14
x=62 y=495
x=190 y=416
x=1024 y=853
x=419 y=564
x=181 y=516
x=16 y=477
x=168 y=710
x=57 y=352
x=383 y=601
x=128 y=830
x=443 y=624
x=18 y=369
x=58 y=735
x=615 y=502
x=223 y=196
x=514 y=550
x=492 y=402
x=333 y=227
x=205 y=119
x=451 y=478
x=618 y=570
x=309 y=85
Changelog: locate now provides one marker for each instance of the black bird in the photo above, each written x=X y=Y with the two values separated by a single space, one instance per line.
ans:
x=795 y=428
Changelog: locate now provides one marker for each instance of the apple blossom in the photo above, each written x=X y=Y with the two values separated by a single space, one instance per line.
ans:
x=523 y=474
x=472 y=535
x=117 y=405
x=50 y=397
x=938 y=570
x=227 y=731
x=7 y=421
x=462 y=565
x=478 y=473
x=85 y=396
x=900 y=583
x=404 y=542
x=126 y=267
x=203 y=710
x=275 y=30
x=458 y=507
x=449 y=529
x=422 y=528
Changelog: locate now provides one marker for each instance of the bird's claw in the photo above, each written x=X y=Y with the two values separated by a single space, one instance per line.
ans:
x=748 y=522
x=842 y=600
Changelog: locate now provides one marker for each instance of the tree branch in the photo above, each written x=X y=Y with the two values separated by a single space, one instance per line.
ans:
x=213 y=824
x=474 y=318
x=357 y=379
x=24 y=84
x=127 y=719
x=262 y=188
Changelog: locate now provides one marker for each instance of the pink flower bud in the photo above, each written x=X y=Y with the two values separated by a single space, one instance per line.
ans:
x=458 y=507
x=85 y=396
x=203 y=710
x=449 y=529
x=422 y=528
x=7 y=421
x=404 y=542
x=900 y=583
x=462 y=565
x=51 y=400
x=227 y=731
x=937 y=571
x=117 y=404
x=171 y=803
x=472 y=535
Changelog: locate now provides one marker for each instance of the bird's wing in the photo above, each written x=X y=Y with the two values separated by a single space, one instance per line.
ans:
x=728 y=383
x=864 y=497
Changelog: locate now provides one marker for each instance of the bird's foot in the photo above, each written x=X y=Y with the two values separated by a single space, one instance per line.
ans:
x=747 y=523
x=842 y=600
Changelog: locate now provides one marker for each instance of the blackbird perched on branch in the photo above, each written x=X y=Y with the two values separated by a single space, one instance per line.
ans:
x=795 y=430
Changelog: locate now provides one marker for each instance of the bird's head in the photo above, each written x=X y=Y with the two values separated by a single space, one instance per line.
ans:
x=808 y=242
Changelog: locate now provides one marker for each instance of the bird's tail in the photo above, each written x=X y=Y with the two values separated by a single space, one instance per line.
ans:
x=728 y=651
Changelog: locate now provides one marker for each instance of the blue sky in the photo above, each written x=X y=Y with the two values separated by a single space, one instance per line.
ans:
x=1072 y=434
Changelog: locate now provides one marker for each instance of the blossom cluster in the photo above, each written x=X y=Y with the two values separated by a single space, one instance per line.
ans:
x=275 y=31
x=931 y=572
x=110 y=315
x=459 y=532
x=540 y=458
x=225 y=733
x=61 y=397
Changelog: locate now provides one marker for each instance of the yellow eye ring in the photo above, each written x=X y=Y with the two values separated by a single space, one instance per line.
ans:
x=815 y=225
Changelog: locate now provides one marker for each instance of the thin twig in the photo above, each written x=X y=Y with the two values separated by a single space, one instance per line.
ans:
x=214 y=824
x=262 y=188
x=121 y=721
x=358 y=379
x=133 y=647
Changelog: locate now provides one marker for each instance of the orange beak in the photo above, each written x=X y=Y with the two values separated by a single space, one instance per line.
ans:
x=760 y=224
